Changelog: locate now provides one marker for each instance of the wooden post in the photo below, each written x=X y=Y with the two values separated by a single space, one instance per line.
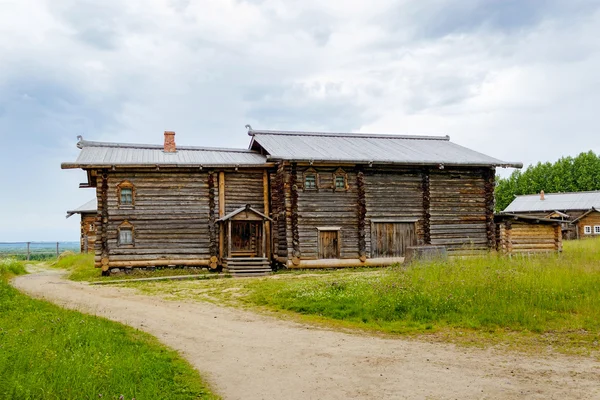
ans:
x=229 y=239
x=28 y=252
x=490 y=176
x=362 y=214
x=296 y=255
x=426 y=187
x=221 y=213
x=103 y=208
x=266 y=224
x=264 y=239
x=57 y=254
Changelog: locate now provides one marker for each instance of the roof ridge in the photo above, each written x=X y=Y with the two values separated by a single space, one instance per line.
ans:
x=253 y=132
x=557 y=193
x=88 y=143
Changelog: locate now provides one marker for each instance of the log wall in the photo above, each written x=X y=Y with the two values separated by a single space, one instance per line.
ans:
x=515 y=237
x=88 y=233
x=393 y=193
x=170 y=217
x=244 y=187
x=461 y=213
x=326 y=207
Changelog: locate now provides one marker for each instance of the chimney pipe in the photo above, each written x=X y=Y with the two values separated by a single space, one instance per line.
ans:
x=542 y=195
x=170 y=142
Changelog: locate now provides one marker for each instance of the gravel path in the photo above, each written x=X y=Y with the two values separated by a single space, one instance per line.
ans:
x=249 y=356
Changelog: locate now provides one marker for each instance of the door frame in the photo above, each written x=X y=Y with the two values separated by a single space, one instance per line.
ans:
x=336 y=229
x=391 y=221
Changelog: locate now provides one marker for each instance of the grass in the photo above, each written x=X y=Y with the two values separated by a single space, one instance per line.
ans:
x=47 y=352
x=81 y=268
x=535 y=302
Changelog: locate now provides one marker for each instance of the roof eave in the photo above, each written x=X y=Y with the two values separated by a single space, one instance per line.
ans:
x=390 y=162
x=154 y=165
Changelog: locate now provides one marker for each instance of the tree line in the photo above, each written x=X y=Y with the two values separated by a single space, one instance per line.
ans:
x=569 y=174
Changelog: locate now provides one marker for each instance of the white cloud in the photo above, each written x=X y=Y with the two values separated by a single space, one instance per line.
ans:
x=510 y=79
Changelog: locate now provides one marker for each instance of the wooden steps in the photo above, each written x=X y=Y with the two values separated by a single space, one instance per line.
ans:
x=248 y=266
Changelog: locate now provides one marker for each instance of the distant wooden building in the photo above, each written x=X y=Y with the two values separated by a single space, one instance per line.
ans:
x=293 y=199
x=518 y=234
x=587 y=225
x=576 y=211
x=88 y=212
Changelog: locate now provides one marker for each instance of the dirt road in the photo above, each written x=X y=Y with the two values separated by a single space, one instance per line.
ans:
x=249 y=356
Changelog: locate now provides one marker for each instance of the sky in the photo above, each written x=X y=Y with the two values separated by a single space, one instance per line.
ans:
x=518 y=80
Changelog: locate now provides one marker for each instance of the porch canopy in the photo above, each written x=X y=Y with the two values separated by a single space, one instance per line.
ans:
x=243 y=233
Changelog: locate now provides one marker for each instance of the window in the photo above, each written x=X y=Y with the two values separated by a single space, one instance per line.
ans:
x=125 y=234
x=587 y=230
x=126 y=194
x=597 y=230
x=311 y=179
x=340 y=180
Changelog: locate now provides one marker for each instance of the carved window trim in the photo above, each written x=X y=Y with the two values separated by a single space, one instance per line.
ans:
x=120 y=187
x=314 y=176
x=126 y=226
x=587 y=230
x=340 y=173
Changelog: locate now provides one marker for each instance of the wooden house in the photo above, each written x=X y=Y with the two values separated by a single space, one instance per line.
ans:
x=521 y=234
x=587 y=225
x=576 y=211
x=88 y=212
x=293 y=199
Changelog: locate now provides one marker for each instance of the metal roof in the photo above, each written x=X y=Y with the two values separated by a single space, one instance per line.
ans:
x=100 y=154
x=89 y=207
x=378 y=148
x=555 y=202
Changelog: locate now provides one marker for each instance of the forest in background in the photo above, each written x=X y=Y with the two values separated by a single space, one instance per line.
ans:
x=569 y=174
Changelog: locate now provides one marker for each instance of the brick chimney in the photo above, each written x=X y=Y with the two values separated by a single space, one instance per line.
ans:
x=542 y=195
x=170 y=142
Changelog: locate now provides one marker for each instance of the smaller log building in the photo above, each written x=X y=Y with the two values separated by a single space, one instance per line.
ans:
x=576 y=211
x=518 y=234
x=87 y=235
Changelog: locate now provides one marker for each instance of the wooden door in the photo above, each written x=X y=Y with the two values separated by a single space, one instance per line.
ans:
x=245 y=239
x=329 y=244
x=390 y=239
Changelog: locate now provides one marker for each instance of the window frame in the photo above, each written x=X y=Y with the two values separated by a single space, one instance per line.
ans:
x=587 y=230
x=127 y=186
x=340 y=173
x=596 y=230
x=312 y=173
x=124 y=227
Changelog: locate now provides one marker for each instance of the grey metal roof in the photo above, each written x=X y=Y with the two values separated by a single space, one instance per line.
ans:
x=378 y=148
x=98 y=154
x=555 y=202
x=89 y=207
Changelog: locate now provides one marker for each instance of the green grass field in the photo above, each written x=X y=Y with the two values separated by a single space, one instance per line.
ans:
x=47 y=352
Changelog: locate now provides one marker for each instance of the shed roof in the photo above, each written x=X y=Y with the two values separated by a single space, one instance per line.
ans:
x=555 y=202
x=525 y=218
x=366 y=148
x=103 y=154
x=89 y=207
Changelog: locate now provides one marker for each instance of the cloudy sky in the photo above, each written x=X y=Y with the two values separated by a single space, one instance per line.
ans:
x=516 y=79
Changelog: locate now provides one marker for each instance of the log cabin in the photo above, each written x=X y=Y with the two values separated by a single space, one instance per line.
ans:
x=87 y=236
x=522 y=234
x=576 y=211
x=292 y=199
